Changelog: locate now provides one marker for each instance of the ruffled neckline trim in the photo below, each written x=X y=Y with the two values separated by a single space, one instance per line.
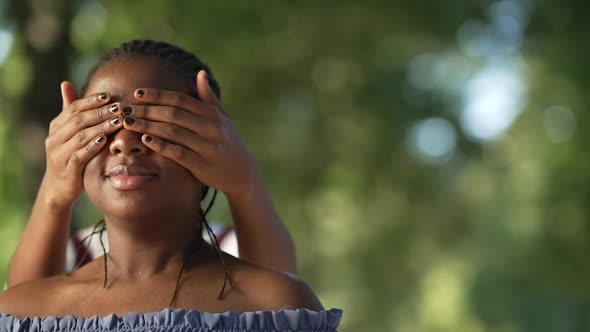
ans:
x=286 y=319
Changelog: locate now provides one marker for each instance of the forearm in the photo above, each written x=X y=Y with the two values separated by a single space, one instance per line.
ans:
x=263 y=239
x=41 y=252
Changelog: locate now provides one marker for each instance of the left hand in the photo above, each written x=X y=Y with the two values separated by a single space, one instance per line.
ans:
x=196 y=134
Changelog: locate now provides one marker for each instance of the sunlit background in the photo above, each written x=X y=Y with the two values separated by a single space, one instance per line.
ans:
x=427 y=156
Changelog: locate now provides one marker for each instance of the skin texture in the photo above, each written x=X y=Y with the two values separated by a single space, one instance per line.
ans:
x=222 y=162
x=151 y=225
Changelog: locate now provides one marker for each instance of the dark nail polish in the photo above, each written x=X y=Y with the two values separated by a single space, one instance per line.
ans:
x=99 y=139
x=127 y=110
x=140 y=93
x=115 y=121
x=130 y=121
x=114 y=108
x=103 y=96
x=148 y=139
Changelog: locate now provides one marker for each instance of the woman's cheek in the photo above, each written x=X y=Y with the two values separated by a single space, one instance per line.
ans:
x=93 y=172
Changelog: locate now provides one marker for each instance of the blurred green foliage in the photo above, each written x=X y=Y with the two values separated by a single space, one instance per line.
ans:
x=488 y=235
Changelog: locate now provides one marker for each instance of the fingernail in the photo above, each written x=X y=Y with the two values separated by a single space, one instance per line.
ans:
x=115 y=121
x=99 y=139
x=148 y=139
x=103 y=96
x=127 y=110
x=114 y=108
x=140 y=93
x=130 y=121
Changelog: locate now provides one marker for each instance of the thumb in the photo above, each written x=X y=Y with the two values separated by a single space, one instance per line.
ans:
x=205 y=92
x=68 y=93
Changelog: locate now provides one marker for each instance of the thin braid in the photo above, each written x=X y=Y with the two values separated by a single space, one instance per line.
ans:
x=215 y=243
x=187 y=254
x=226 y=277
x=210 y=202
x=104 y=250
x=89 y=236
x=185 y=258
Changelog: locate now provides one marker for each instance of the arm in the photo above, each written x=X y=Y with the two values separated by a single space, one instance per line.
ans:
x=208 y=145
x=262 y=238
x=42 y=250
x=72 y=141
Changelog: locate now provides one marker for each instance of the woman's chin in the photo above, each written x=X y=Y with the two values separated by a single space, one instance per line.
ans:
x=139 y=216
x=132 y=210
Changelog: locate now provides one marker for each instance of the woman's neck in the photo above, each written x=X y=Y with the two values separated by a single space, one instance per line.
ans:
x=143 y=248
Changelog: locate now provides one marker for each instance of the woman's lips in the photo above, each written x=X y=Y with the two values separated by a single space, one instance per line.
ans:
x=129 y=177
x=129 y=182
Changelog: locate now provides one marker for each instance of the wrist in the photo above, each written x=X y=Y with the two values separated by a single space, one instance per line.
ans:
x=54 y=202
x=251 y=191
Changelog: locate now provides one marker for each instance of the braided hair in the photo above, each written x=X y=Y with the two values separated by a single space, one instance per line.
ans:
x=187 y=65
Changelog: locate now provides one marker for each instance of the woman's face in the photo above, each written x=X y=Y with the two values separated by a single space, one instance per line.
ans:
x=126 y=179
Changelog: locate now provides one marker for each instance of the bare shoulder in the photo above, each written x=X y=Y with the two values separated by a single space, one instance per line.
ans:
x=31 y=298
x=45 y=297
x=274 y=290
x=39 y=298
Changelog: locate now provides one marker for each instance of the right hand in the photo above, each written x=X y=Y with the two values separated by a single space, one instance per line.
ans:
x=76 y=135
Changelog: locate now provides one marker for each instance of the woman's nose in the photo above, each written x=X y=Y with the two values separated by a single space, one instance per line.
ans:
x=127 y=142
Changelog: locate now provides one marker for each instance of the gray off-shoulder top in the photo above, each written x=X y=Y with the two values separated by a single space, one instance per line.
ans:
x=167 y=320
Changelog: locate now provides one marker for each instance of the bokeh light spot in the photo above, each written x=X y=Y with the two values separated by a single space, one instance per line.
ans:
x=43 y=31
x=88 y=26
x=432 y=140
x=17 y=75
x=560 y=123
x=6 y=41
x=492 y=102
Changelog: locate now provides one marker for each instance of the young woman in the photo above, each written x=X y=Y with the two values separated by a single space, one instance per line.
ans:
x=146 y=165
x=259 y=233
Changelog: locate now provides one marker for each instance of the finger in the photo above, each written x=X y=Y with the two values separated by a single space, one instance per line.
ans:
x=89 y=102
x=68 y=93
x=188 y=159
x=80 y=157
x=200 y=125
x=84 y=136
x=169 y=132
x=176 y=99
x=82 y=120
x=205 y=92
